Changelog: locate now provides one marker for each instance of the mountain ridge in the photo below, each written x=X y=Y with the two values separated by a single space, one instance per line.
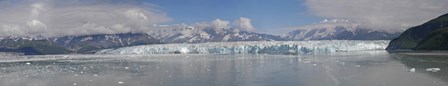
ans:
x=412 y=37
x=73 y=44
x=339 y=31
x=182 y=34
x=190 y=35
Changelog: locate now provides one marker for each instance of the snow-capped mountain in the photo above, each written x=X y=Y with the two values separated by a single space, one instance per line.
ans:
x=73 y=44
x=189 y=34
x=30 y=45
x=102 y=41
x=338 y=30
x=215 y=31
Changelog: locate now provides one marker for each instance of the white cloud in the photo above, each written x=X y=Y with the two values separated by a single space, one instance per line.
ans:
x=217 y=25
x=382 y=14
x=244 y=24
x=220 y=24
x=76 y=17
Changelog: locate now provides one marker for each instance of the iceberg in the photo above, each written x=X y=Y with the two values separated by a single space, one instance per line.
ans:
x=433 y=69
x=254 y=47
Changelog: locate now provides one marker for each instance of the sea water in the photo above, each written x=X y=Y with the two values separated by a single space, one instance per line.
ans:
x=356 y=68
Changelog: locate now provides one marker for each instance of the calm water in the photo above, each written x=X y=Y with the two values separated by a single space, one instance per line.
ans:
x=368 y=68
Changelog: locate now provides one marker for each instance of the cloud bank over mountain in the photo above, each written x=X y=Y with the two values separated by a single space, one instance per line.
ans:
x=242 y=24
x=380 y=14
x=54 y=18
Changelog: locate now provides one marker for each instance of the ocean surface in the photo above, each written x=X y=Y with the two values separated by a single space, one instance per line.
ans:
x=355 y=68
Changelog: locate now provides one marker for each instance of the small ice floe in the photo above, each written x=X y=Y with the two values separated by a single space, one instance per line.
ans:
x=306 y=61
x=412 y=70
x=433 y=69
x=342 y=63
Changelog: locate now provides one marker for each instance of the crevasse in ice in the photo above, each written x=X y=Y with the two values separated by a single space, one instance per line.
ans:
x=256 y=47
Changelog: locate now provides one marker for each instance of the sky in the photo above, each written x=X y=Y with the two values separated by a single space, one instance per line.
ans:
x=265 y=14
x=84 y=17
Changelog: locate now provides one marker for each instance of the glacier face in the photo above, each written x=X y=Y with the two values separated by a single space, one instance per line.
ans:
x=255 y=47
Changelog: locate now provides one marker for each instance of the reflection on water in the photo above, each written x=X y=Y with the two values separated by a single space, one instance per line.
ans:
x=421 y=63
x=370 y=68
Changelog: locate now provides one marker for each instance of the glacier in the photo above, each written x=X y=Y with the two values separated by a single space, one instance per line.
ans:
x=255 y=47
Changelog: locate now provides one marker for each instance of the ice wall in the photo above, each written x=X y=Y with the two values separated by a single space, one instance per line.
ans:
x=258 y=47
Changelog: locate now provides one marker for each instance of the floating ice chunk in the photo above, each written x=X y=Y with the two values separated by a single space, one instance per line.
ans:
x=433 y=69
x=412 y=70
x=342 y=63
x=306 y=61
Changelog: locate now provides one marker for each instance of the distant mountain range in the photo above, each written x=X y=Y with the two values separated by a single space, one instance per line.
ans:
x=88 y=43
x=338 y=30
x=190 y=35
x=30 y=46
x=432 y=35
x=73 y=44
x=184 y=34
